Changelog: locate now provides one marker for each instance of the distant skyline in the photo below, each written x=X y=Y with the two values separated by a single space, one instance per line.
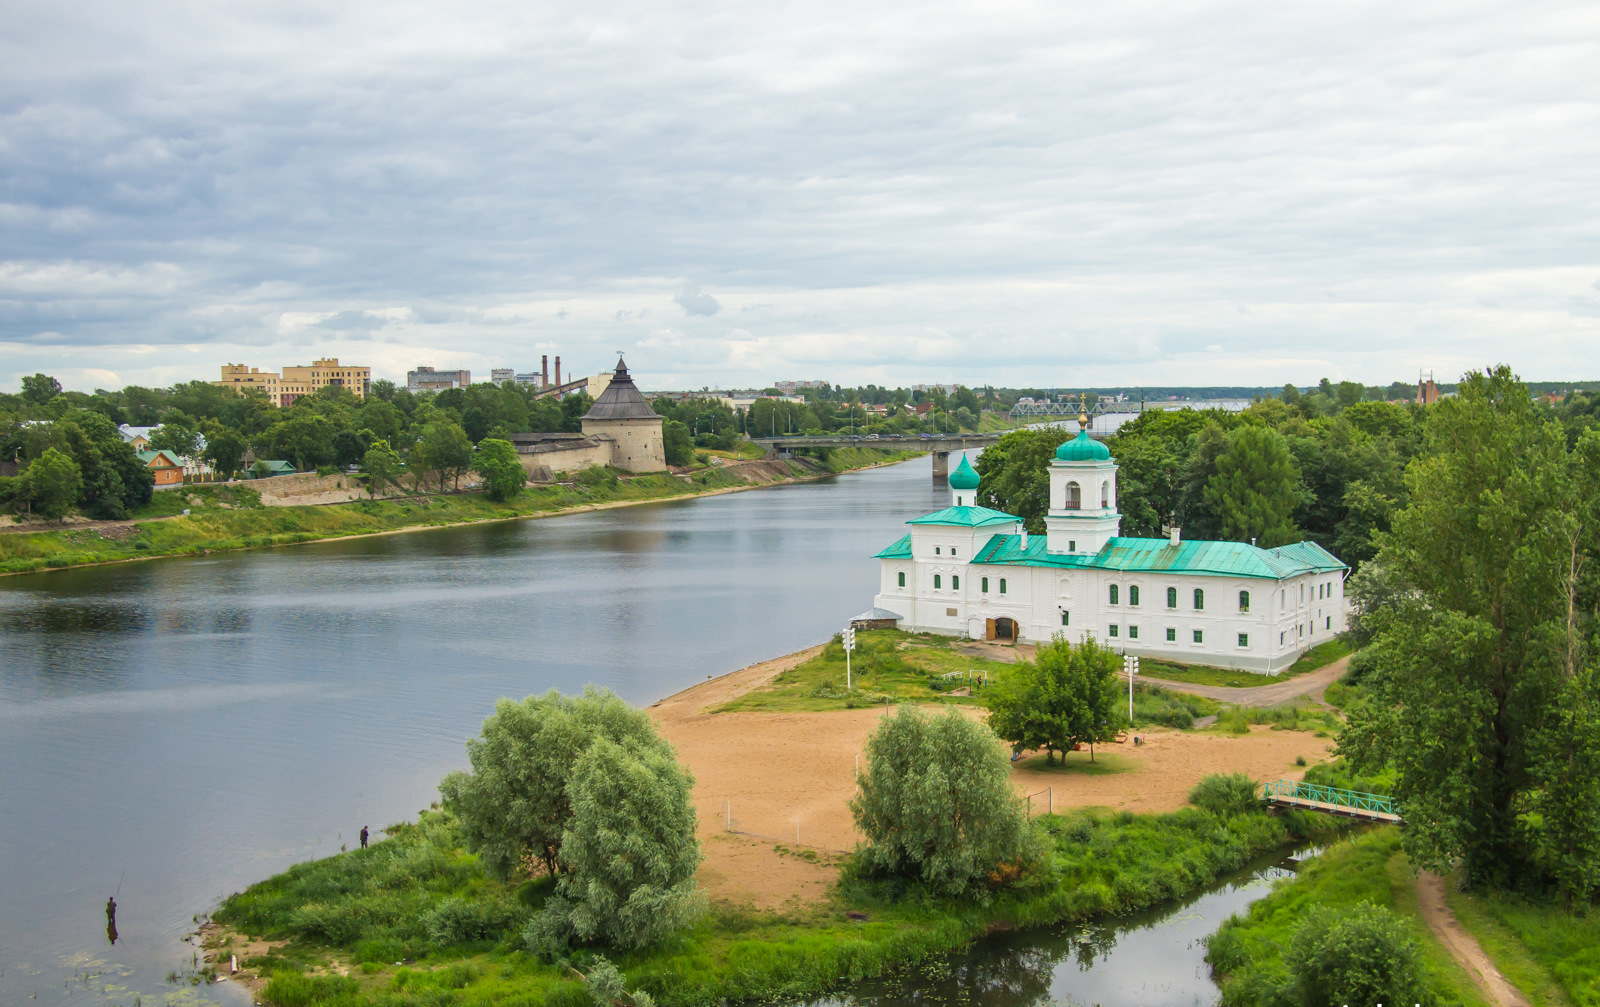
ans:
x=1030 y=195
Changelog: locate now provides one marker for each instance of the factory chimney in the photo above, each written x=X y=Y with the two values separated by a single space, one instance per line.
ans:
x=544 y=371
x=558 y=370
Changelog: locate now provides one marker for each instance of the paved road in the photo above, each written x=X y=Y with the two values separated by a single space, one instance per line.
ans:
x=1312 y=683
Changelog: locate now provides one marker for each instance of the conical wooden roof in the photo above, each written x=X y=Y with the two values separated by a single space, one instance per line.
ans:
x=621 y=400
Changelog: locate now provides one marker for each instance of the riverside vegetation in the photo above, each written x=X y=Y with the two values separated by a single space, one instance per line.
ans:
x=230 y=516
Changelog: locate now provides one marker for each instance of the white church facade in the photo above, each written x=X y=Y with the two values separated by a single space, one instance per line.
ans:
x=976 y=572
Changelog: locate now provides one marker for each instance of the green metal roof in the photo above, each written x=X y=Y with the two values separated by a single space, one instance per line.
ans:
x=900 y=550
x=964 y=478
x=149 y=456
x=966 y=517
x=1083 y=448
x=1158 y=555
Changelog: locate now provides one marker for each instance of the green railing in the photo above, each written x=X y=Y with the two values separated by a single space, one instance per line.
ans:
x=1353 y=799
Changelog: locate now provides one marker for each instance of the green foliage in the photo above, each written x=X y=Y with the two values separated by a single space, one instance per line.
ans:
x=446 y=450
x=1066 y=696
x=514 y=806
x=39 y=389
x=382 y=466
x=935 y=803
x=1226 y=794
x=294 y=989
x=1537 y=944
x=51 y=485
x=1360 y=955
x=1014 y=474
x=677 y=442
x=1255 y=488
x=1485 y=623
x=628 y=853
x=605 y=985
x=1566 y=771
x=503 y=475
x=1153 y=704
x=463 y=921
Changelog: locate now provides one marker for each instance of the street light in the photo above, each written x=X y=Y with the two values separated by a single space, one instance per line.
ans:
x=849 y=645
x=1130 y=665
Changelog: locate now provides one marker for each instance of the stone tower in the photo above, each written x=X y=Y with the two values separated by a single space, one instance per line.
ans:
x=623 y=416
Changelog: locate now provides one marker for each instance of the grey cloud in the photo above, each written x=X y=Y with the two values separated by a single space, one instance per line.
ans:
x=353 y=321
x=693 y=302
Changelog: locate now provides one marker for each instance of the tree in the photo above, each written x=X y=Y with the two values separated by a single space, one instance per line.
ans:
x=628 y=853
x=224 y=449
x=1361 y=955
x=178 y=434
x=1491 y=588
x=53 y=482
x=1066 y=696
x=39 y=389
x=304 y=438
x=678 y=442
x=514 y=805
x=935 y=803
x=382 y=466
x=1256 y=488
x=114 y=479
x=447 y=449
x=501 y=468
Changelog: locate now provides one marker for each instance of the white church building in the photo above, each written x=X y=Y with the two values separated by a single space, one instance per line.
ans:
x=975 y=572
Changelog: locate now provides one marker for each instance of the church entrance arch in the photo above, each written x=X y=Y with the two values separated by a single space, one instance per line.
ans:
x=1003 y=628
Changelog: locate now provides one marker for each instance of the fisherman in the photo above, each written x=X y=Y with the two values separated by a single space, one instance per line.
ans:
x=111 y=911
x=363 y=837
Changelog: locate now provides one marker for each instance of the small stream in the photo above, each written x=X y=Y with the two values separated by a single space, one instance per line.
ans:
x=1150 y=959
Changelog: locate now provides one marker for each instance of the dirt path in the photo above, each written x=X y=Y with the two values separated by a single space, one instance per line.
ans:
x=776 y=776
x=1312 y=683
x=1462 y=945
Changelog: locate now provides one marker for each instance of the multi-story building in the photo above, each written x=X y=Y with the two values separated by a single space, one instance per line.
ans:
x=296 y=381
x=426 y=379
x=499 y=375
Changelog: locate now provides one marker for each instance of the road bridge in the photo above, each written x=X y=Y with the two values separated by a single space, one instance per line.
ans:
x=1331 y=800
x=938 y=445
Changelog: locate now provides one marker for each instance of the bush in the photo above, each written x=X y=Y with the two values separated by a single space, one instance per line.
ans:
x=292 y=989
x=1360 y=955
x=501 y=468
x=936 y=803
x=461 y=921
x=1226 y=794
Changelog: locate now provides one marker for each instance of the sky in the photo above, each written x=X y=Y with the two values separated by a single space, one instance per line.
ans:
x=1022 y=194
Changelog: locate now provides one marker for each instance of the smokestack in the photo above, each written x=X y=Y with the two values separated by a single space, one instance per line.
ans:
x=544 y=370
x=558 y=370
x=1175 y=536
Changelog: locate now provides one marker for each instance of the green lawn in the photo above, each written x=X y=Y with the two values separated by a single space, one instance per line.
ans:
x=1550 y=953
x=1246 y=953
x=1201 y=674
x=371 y=909
x=888 y=666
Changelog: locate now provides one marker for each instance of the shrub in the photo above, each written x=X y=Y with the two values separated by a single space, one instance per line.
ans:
x=936 y=803
x=604 y=982
x=292 y=989
x=497 y=462
x=461 y=921
x=1361 y=955
x=1226 y=794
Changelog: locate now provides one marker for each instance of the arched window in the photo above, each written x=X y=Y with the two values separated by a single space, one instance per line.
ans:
x=902 y=578
x=1244 y=601
x=1199 y=599
x=1172 y=597
x=1133 y=594
x=936 y=551
x=1065 y=618
x=1113 y=594
x=1105 y=495
x=1074 y=497
x=985 y=585
x=1002 y=585
x=955 y=582
x=936 y=582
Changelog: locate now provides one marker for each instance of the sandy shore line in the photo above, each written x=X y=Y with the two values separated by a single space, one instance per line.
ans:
x=560 y=512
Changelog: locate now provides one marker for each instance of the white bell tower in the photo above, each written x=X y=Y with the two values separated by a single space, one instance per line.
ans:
x=1083 y=496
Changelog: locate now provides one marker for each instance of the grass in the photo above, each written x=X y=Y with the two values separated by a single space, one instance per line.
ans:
x=1319 y=656
x=373 y=908
x=1153 y=704
x=1551 y=953
x=198 y=498
x=889 y=665
x=1246 y=953
x=1106 y=763
x=245 y=525
x=1297 y=715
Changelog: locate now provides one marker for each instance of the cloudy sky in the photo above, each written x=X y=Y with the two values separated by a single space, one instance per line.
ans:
x=1043 y=194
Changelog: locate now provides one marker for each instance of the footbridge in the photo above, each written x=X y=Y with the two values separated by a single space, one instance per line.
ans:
x=939 y=445
x=1331 y=800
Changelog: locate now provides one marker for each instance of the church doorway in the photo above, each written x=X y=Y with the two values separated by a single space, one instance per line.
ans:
x=1003 y=629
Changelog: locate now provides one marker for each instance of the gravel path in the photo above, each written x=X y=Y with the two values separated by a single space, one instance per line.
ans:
x=1462 y=945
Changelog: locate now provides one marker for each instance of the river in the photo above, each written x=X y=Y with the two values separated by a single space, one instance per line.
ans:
x=174 y=730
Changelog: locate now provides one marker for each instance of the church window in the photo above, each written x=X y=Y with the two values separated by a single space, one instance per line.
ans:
x=952 y=550
x=1002 y=585
x=1330 y=623
x=1072 y=546
x=1172 y=635
x=1244 y=639
x=1074 y=497
x=1280 y=639
x=1133 y=594
x=936 y=582
x=1113 y=594
x=1105 y=495
x=955 y=582
x=1113 y=629
x=1133 y=632
x=984 y=585
x=1065 y=618
x=1244 y=601
x=1198 y=637
x=1172 y=597
x=1199 y=599
x=902 y=578
x=936 y=551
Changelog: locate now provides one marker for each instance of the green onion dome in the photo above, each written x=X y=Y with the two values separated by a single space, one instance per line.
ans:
x=1083 y=448
x=964 y=477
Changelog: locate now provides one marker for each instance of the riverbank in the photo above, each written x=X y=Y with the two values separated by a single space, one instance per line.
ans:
x=228 y=525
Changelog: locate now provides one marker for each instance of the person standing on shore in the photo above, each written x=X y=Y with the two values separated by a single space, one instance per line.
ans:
x=111 y=919
x=363 y=837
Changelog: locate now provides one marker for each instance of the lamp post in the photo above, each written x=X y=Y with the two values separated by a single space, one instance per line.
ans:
x=1130 y=664
x=849 y=645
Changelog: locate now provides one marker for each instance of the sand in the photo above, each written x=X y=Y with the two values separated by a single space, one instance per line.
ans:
x=787 y=778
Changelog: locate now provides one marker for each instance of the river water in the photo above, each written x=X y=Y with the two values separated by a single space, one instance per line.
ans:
x=174 y=730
